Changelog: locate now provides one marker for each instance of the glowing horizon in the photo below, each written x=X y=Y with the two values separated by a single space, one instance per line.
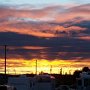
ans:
x=29 y=66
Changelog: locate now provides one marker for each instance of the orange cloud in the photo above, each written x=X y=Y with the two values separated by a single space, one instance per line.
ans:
x=55 y=12
x=38 y=29
x=84 y=38
x=73 y=12
x=27 y=47
x=37 y=14
x=31 y=21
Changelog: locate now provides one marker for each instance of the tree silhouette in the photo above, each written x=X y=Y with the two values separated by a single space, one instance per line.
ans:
x=77 y=73
x=85 y=69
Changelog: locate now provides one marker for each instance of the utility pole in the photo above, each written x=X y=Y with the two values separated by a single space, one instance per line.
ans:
x=51 y=69
x=36 y=66
x=5 y=59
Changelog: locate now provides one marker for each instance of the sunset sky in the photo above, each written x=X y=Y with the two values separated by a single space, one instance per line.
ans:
x=56 y=33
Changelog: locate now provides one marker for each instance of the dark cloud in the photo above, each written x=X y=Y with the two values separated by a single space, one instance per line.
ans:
x=58 y=48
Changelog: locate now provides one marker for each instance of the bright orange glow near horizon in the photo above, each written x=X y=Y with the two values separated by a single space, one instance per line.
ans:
x=29 y=66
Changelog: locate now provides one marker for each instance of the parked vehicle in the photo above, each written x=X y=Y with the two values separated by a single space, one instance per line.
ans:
x=39 y=82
